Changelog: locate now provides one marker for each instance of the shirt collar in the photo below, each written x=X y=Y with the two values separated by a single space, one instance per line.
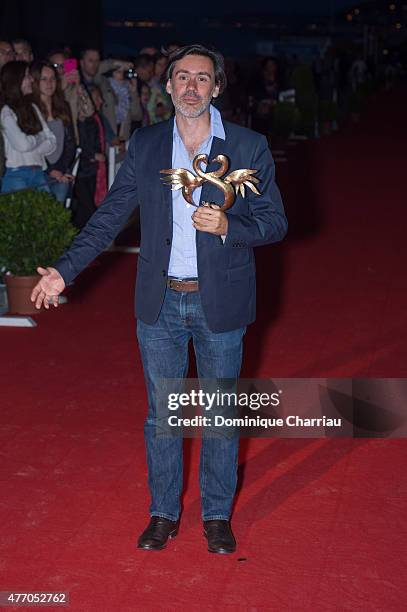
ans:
x=216 y=129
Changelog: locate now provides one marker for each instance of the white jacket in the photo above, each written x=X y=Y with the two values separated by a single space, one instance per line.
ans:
x=23 y=149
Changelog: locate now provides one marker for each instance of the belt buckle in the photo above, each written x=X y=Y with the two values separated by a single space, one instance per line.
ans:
x=172 y=283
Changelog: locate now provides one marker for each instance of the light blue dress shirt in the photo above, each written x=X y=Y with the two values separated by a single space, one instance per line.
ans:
x=183 y=251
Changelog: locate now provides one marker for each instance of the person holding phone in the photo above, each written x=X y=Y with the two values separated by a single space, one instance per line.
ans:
x=91 y=181
x=93 y=73
x=27 y=137
x=123 y=83
x=75 y=93
x=48 y=96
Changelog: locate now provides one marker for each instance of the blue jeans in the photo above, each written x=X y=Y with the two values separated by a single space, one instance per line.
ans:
x=59 y=190
x=24 y=177
x=164 y=353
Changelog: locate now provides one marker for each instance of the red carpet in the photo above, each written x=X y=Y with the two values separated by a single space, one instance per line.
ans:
x=320 y=524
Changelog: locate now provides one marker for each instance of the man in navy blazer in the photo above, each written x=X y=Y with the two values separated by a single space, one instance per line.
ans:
x=195 y=275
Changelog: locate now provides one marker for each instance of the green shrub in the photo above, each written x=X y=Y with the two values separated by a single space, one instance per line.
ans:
x=35 y=230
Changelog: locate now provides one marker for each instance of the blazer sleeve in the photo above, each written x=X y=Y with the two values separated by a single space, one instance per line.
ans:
x=106 y=222
x=266 y=222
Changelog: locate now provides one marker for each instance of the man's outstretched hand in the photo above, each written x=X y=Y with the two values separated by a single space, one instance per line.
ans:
x=48 y=288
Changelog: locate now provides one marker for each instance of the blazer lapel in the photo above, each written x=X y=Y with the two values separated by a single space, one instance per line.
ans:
x=164 y=155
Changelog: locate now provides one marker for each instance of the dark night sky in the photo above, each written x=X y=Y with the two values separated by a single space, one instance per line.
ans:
x=188 y=22
x=213 y=7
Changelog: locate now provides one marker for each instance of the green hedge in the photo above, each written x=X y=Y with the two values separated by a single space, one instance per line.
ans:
x=35 y=230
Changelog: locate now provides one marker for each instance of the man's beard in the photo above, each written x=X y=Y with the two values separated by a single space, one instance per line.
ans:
x=186 y=110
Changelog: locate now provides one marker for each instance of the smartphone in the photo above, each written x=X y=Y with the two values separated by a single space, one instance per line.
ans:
x=130 y=74
x=70 y=65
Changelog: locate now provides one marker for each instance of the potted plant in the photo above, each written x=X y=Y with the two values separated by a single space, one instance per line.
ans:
x=34 y=230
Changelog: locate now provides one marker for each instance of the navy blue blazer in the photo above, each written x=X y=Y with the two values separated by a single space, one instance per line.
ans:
x=226 y=271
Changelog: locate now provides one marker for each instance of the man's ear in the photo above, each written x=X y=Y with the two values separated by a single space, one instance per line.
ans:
x=168 y=87
x=215 y=92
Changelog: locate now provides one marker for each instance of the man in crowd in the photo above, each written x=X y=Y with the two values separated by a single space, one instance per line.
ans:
x=6 y=53
x=195 y=276
x=23 y=50
x=144 y=66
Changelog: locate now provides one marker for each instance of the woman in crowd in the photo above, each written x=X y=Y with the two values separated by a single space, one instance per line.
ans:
x=74 y=92
x=48 y=96
x=121 y=88
x=126 y=100
x=160 y=105
x=145 y=95
x=27 y=137
x=264 y=90
x=91 y=182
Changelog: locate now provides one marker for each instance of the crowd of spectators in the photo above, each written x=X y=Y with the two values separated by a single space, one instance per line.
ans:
x=53 y=105
x=50 y=106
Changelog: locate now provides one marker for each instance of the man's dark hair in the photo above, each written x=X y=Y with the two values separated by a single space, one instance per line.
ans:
x=84 y=51
x=22 y=41
x=216 y=57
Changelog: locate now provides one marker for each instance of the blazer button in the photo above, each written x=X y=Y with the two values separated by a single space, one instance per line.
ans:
x=164 y=273
x=168 y=241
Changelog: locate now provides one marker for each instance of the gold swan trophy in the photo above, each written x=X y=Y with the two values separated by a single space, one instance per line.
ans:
x=180 y=178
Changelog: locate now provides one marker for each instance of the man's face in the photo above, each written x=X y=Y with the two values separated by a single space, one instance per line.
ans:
x=23 y=53
x=146 y=72
x=90 y=63
x=192 y=85
x=6 y=53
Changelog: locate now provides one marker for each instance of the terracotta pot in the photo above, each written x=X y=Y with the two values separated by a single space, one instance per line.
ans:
x=18 y=294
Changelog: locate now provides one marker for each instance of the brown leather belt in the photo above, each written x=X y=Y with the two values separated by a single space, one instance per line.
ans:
x=182 y=285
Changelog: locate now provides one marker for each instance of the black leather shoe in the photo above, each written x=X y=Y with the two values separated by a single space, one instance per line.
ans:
x=220 y=537
x=156 y=536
